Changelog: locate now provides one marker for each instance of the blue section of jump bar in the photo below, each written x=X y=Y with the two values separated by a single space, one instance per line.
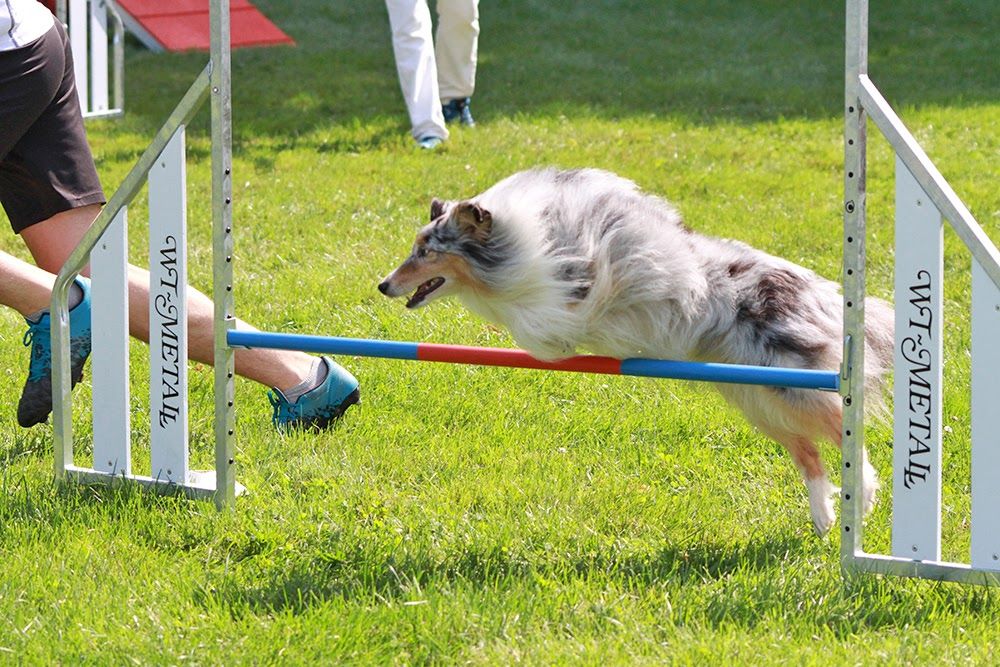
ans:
x=358 y=347
x=797 y=378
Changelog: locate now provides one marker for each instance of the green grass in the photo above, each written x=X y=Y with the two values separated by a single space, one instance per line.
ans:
x=495 y=516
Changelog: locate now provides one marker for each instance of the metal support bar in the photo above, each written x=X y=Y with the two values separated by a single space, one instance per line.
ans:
x=930 y=179
x=200 y=485
x=222 y=254
x=939 y=571
x=855 y=174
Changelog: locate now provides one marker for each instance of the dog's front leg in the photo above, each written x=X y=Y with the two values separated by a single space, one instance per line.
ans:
x=807 y=459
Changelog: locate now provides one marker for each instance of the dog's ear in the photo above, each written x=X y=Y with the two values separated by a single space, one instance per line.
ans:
x=437 y=209
x=474 y=220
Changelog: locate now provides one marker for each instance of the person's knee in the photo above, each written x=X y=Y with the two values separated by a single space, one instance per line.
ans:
x=459 y=12
x=52 y=240
x=409 y=20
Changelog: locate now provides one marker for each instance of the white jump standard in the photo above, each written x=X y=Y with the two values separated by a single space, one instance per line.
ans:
x=87 y=25
x=923 y=197
x=163 y=163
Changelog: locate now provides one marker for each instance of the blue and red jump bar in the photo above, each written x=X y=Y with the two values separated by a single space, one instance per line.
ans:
x=798 y=378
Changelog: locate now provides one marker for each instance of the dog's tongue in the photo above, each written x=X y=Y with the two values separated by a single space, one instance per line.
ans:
x=422 y=291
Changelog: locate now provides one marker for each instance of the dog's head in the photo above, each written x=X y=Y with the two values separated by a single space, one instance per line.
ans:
x=444 y=256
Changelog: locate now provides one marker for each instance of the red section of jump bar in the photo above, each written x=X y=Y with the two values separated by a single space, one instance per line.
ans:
x=182 y=25
x=485 y=356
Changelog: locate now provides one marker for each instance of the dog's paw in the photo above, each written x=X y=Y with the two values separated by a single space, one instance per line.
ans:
x=821 y=507
x=870 y=487
x=823 y=516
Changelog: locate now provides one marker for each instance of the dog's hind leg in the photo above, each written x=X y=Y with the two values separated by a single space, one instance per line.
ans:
x=869 y=478
x=807 y=459
x=796 y=426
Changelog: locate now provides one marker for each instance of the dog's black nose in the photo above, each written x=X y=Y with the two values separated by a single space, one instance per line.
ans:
x=384 y=287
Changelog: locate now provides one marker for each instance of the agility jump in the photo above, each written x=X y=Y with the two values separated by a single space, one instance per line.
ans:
x=923 y=198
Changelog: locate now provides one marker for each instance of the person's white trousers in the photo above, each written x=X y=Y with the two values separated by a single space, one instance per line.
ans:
x=438 y=69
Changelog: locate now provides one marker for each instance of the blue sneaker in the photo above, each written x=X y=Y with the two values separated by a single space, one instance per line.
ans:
x=429 y=142
x=318 y=408
x=36 y=398
x=459 y=109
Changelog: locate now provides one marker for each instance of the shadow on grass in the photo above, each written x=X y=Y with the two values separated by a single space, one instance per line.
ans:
x=360 y=572
x=704 y=62
x=55 y=503
x=711 y=584
x=24 y=443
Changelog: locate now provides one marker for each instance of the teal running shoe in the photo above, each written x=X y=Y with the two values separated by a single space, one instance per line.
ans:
x=36 y=398
x=318 y=408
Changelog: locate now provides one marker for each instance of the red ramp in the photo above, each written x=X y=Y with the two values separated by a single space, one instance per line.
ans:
x=182 y=25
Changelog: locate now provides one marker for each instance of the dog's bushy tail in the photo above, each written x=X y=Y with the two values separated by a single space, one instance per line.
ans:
x=880 y=320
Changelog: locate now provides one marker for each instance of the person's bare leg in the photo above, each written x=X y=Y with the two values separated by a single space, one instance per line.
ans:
x=51 y=242
x=275 y=368
x=24 y=287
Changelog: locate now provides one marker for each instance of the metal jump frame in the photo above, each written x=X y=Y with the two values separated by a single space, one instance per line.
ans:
x=169 y=470
x=862 y=99
x=916 y=539
x=220 y=484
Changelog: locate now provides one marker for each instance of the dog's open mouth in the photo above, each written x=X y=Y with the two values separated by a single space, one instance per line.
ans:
x=422 y=291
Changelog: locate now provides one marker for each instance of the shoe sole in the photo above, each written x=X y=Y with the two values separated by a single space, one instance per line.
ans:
x=38 y=413
x=322 y=423
x=352 y=399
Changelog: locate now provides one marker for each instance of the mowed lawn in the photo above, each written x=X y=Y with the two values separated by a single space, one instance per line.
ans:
x=498 y=516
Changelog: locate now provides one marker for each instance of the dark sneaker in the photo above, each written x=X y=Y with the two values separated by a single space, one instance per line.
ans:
x=459 y=110
x=317 y=408
x=36 y=398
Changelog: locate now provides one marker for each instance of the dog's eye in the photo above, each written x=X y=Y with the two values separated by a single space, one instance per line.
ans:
x=422 y=251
